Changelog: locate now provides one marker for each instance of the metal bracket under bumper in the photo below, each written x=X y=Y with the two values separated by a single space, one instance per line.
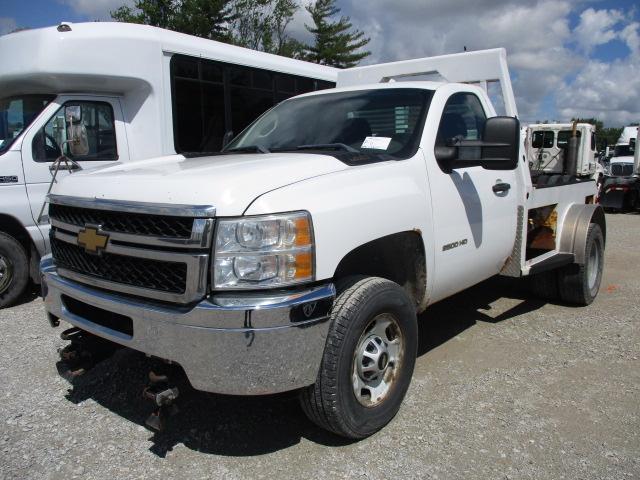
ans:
x=243 y=345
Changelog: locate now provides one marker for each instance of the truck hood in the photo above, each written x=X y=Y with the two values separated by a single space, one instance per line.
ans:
x=228 y=182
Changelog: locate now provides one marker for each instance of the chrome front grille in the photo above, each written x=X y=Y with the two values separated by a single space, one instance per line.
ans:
x=168 y=277
x=122 y=222
x=621 y=169
x=148 y=250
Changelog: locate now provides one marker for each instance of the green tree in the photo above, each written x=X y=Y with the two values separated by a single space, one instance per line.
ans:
x=158 y=13
x=203 y=18
x=336 y=43
x=262 y=24
x=255 y=24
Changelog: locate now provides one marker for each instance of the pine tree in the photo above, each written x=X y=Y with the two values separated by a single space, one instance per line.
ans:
x=336 y=42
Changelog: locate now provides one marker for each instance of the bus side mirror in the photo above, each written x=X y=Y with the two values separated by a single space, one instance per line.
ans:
x=73 y=113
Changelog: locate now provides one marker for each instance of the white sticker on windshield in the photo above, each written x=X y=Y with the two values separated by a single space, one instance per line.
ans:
x=376 y=143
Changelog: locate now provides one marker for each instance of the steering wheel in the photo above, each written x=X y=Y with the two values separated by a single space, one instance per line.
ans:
x=53 y=150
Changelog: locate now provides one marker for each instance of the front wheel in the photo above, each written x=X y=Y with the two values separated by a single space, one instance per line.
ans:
x=368 y=359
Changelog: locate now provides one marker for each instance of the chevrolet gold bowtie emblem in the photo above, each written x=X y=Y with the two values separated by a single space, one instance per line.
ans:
x=92 y=240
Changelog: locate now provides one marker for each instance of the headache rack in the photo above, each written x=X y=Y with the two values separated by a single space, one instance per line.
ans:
x=480 y=67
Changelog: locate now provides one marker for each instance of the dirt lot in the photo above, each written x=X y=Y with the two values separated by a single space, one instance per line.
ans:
x=504 y=387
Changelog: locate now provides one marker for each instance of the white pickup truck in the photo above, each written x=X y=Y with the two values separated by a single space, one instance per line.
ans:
x=299 y=256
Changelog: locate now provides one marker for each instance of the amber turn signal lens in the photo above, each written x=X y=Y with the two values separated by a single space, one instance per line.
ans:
x=303 y=232
x=304 y=265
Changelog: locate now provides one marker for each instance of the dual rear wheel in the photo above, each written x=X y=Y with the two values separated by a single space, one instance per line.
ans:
x=575 y=284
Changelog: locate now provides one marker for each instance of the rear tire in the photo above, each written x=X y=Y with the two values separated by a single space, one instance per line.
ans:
x=14 y=270
x=545 y=285
x=368 y=359
x=579 y=284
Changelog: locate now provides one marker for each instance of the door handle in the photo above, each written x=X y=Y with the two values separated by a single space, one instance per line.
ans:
x=501 y=187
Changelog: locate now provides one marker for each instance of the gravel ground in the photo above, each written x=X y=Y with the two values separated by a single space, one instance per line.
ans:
x=504 y=387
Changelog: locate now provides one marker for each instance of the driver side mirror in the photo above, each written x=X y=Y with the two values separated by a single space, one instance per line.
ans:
x=498 y=149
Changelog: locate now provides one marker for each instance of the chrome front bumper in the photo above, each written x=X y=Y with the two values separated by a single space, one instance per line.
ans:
x=245 y=344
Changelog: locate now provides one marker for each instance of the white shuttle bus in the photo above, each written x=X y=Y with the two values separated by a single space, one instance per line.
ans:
x=106 y=92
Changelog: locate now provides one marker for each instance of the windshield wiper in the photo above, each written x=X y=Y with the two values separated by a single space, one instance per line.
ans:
x=250 y=148
x=328 y=146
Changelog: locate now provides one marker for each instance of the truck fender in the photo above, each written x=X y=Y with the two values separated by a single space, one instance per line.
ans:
x=573 y=237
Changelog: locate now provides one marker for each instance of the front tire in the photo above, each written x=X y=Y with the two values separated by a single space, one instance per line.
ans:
x=14 y=270
x=368 y=359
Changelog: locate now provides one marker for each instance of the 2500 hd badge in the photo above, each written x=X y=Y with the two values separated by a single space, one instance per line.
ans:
x=459 y=243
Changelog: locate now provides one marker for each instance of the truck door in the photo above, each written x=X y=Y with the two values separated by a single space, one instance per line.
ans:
x=474 y=209
x=95 y=123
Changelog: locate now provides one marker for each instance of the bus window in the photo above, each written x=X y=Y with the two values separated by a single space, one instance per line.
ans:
x=211 y=98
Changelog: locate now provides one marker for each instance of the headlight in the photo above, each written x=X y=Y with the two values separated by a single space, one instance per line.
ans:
x=264 y=251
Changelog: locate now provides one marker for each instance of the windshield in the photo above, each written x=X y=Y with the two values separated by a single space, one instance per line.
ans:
x=360 y=126
x=624 y=151
x=16 y=114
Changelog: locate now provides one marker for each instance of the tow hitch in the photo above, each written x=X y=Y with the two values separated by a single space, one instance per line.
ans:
x=84 y=352
x=163 y=396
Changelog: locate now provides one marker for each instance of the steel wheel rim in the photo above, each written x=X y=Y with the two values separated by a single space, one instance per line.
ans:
x=377 y=360
x=593 y=265
x=6 y=273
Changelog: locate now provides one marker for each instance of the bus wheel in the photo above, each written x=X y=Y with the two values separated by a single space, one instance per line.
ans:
x=14 y=270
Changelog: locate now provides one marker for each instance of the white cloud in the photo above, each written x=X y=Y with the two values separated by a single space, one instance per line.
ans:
x=535 y=35
x=630 y=36
x=610 y=92
x=596 y=27
x=96 y=9
x=7 y=24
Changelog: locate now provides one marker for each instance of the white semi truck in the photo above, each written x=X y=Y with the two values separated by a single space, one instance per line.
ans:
x=298 y=258
x=138 y=92
x=549 y=148
x=621 y=188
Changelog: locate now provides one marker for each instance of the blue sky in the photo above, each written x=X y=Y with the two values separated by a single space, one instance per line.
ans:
x=568 y=57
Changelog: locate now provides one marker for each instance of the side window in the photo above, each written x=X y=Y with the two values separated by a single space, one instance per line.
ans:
x=211 y=98
x=463 y=118
x=563 y=138
x=251 y=95
x=87 y=134
x=542 y=139
x=593 y=141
